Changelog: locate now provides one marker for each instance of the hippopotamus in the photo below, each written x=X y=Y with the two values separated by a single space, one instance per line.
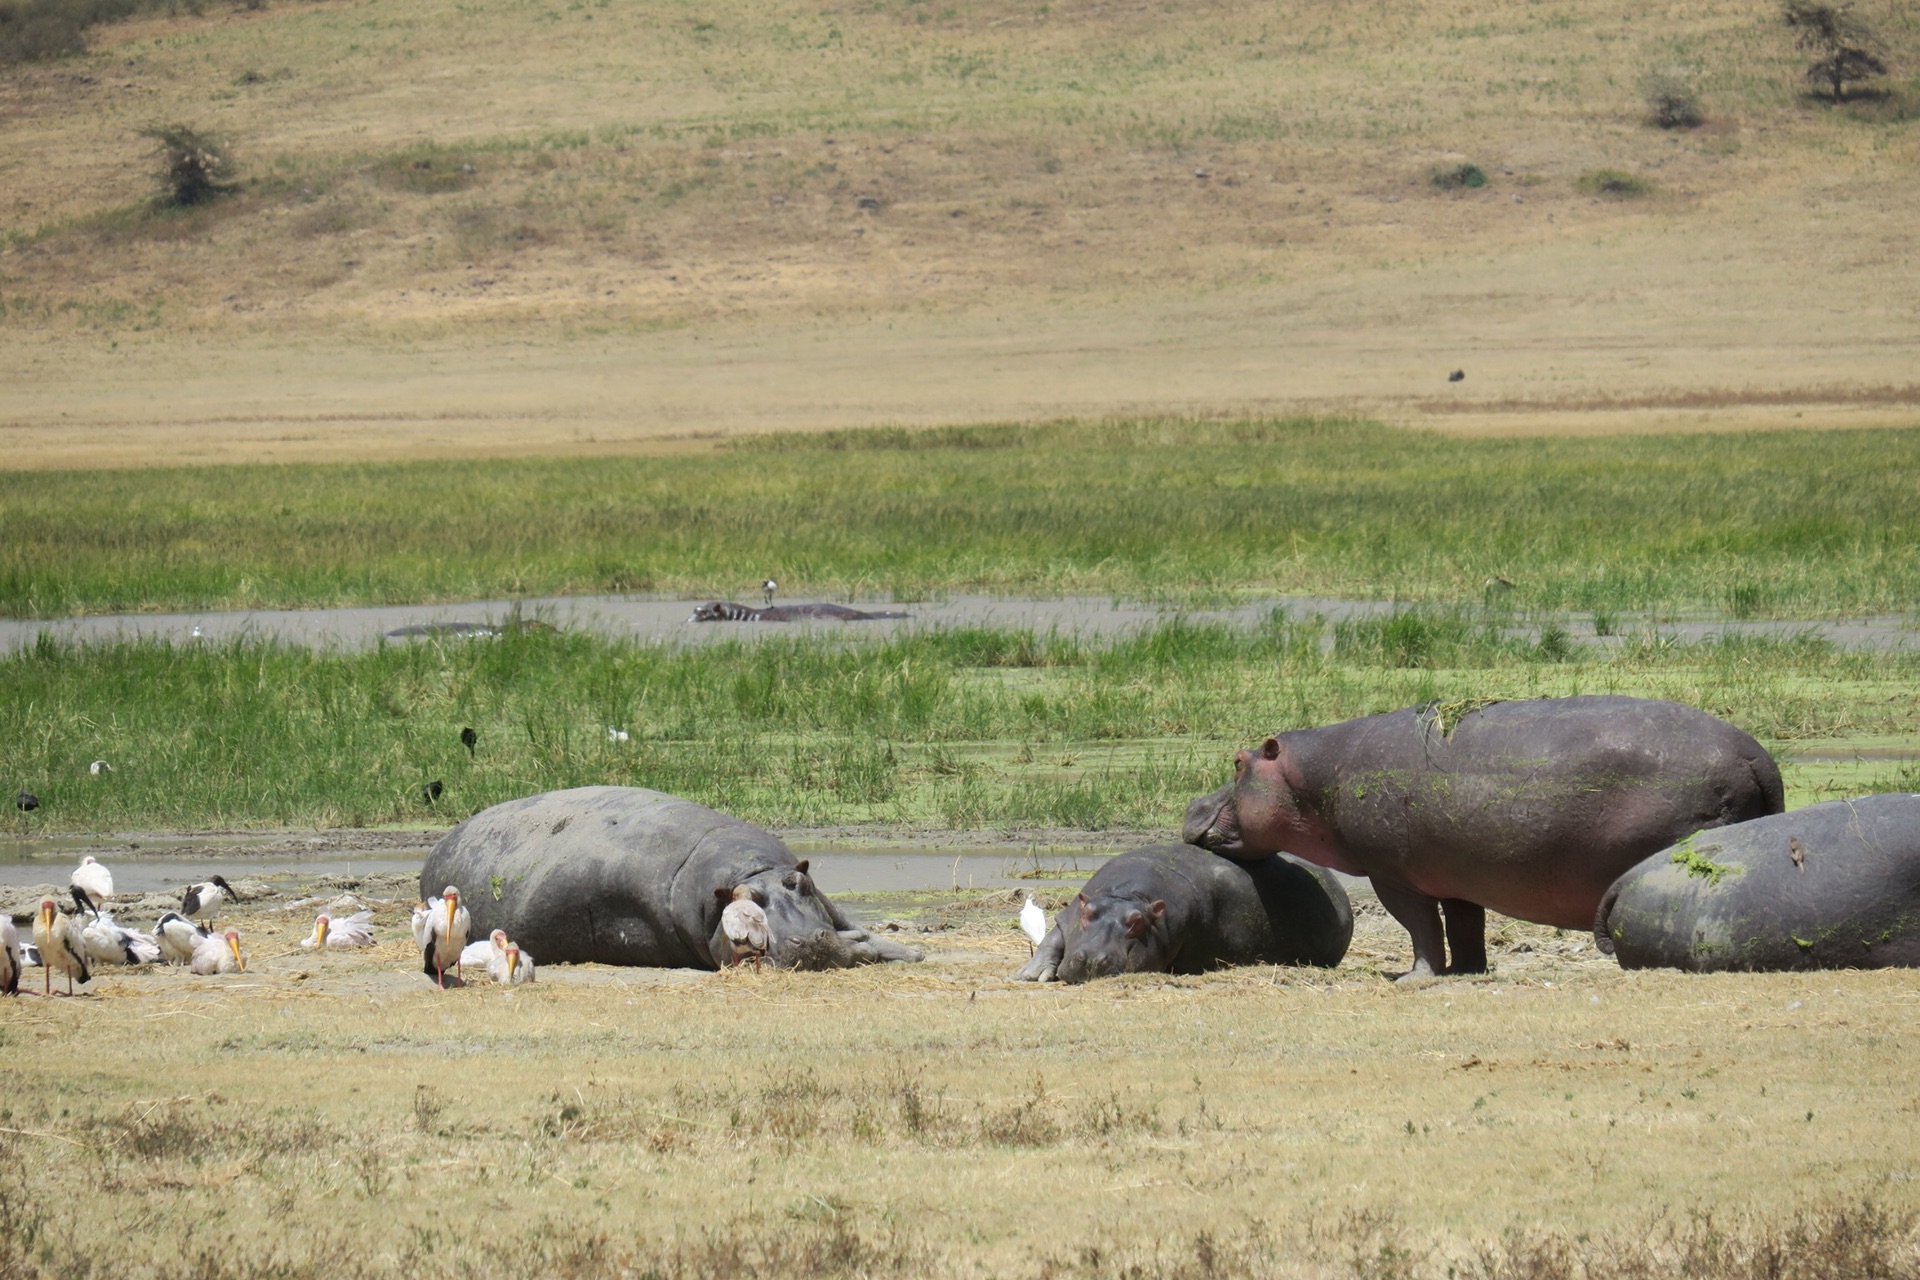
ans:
x=623 y=875
x=1172 y=908
x=1532 y=808
x=1830 y=886
x=727 y=611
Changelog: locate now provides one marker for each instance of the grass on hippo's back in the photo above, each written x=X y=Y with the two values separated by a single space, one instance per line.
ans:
x=1789 y=524
x=961 y=730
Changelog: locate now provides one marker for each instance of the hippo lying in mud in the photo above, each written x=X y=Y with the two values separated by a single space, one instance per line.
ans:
x=1171 y=908
x=1830 y=886
x=726 y=611
x=1530 y=808
x=622 y=875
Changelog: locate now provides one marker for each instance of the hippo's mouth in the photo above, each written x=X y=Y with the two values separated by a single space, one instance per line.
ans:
x=1210 y=825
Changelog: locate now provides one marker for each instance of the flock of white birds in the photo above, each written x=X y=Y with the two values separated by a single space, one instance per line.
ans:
x=75 y=945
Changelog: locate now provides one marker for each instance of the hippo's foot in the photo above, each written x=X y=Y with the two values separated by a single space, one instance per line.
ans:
x=1037 y=969
x=1421 y=972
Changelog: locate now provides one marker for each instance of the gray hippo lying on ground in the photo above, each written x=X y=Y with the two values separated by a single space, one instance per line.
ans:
x=1530 y=808
x=622 y=875
x=727 y=611
x=1172 y=908
x=1830 y=886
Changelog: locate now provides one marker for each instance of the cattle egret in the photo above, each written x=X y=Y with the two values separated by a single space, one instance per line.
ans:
x=57 y=938
x=468 y=739
x=745 y=924
x=99 y=767
x=106 y=942
x=616 y=735
x=26 y=802
x=202 y=900
x=448 y=926
x=10 y=960
x=220 y=955
x=177 y=937
x=354 y=931
x=1033 y=921
x=510 y=967
x=195 y=633
x=95 y=879
x=769 y=587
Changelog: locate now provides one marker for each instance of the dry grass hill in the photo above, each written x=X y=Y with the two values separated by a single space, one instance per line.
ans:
x=483 y=226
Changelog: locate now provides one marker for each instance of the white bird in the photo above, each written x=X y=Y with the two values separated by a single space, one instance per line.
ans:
x=220 y=955
x=1033 y=921
x=107 y=943
x=202 y=900
x=511 y=967
x=97 y=768
x=94 y=880
x=419 y=924
x=483 y=951
x=57 y=938
x=769 y=586
x=177 y=937
x=616 y=735
x=448 y=927
x=10 y=962
x=354 y=931
x=195 y=635
x=745 y=924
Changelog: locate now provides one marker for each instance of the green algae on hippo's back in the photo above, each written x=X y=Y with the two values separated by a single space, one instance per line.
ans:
x=1830 y=886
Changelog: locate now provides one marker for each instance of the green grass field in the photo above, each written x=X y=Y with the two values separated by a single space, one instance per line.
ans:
x=948 y=730
x=1777 y=524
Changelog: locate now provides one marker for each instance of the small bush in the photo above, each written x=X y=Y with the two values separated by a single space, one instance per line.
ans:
x=1671 y=101
x=1614 y=183
x=1454 y=177
x=194 y=168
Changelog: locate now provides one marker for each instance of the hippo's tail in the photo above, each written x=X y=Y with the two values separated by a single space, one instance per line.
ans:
x=1603 y=940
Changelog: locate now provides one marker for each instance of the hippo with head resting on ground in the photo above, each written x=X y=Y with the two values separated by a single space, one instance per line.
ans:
x=623 y=875
x=1530 y=808
x=1172 y=908
x=1830 y=886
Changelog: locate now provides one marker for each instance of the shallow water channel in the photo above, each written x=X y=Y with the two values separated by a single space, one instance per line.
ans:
x=164 y=863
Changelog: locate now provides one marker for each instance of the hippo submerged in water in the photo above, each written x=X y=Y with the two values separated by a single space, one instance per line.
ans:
x=1172 y=908
x=727 y=611
x=1830 y=886
x=622 y=875
x=1531 y=808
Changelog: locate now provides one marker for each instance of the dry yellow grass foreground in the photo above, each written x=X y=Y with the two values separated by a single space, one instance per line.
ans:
x=938 y=1119
x=493 y=226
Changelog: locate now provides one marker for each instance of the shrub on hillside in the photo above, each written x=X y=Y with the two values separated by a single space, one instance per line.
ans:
x=194 y=167
x=1616 y=183
x=1671 y=101
x=1454 y=177
x=38 y=30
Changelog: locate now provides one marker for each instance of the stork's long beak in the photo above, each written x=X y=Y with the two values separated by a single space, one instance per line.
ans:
x=513 y=964
x=233 y=945
x=320 y=932
x=452 y=904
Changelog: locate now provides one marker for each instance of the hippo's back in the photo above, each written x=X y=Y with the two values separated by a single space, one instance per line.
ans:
x=1830 y=886
x=589 y=874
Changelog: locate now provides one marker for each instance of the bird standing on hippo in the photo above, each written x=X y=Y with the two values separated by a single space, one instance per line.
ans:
x=1531 y=808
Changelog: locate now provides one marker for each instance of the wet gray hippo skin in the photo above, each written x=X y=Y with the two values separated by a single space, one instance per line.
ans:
x=1531 y=808
x=1172 y=908
x=727 y=611
x=1830 y=886
x=622 y=875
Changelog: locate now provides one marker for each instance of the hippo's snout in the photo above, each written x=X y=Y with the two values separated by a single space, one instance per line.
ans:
x=814 y=949
x=1209 y=821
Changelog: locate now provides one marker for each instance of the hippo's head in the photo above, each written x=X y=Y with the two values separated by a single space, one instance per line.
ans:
x=1254 y=815
x=1112 y=934
x=803 y=933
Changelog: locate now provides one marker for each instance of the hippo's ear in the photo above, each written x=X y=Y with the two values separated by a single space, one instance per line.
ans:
x=801 y=866
x=1270 y=749
x=1157 y=909
x=725 y=895
x=1086 y=907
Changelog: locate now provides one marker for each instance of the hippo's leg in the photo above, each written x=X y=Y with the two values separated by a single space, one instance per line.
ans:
x=1046 y=958
x=1466 y=935
x=1421 y=917
x=866 y=948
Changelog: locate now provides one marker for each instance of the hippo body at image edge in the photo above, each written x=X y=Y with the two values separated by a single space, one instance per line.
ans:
x=727 y=611
x=1834 y=885
x=1173 y=908
x=1531 y=808
x=627 y=876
